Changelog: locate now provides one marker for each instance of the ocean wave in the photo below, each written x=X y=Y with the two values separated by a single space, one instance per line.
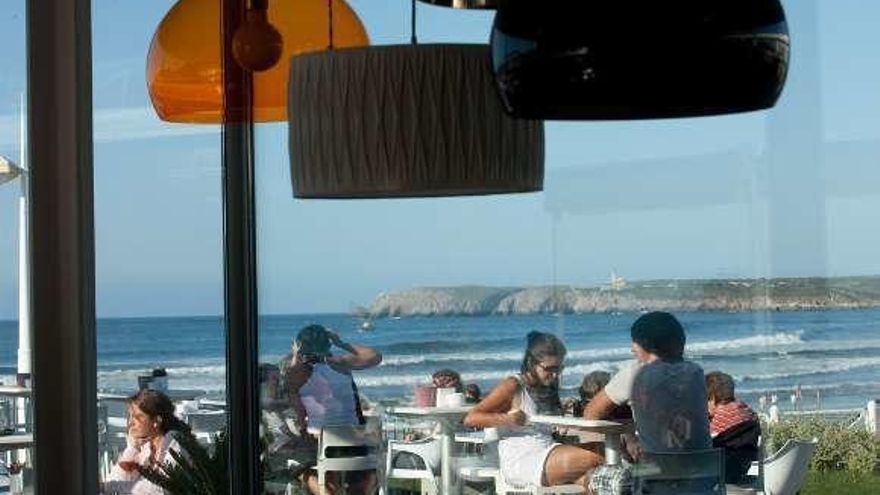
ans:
x=582 y=369
x=385 y=379
x=816 y=367
x=779 y=339
x=572 y=373
x=209 y=376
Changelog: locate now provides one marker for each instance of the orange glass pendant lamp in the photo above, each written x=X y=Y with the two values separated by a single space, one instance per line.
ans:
x=184 y=70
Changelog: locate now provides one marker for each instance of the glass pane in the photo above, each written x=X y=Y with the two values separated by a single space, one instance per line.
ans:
x=752 y=229
x=16 y=429
x=158 y=222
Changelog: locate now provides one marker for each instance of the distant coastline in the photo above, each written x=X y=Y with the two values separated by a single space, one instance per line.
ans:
x=737 y=295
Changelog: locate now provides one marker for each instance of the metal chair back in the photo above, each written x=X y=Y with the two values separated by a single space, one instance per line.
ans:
x=695 y=472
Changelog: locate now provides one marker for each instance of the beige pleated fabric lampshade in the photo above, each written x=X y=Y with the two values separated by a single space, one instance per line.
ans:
x=406 y=121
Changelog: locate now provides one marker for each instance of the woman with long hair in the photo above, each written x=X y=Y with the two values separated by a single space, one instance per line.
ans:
x=529 y=455
x=152 y=430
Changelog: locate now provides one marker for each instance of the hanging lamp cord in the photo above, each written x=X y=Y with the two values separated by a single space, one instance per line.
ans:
x=413 y=38
x=330 y=23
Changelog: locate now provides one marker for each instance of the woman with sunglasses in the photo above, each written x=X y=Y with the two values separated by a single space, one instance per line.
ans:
x=528 y=455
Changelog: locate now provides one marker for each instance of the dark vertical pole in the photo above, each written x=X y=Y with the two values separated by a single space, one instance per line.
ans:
x=240 y=263
x=62 y=246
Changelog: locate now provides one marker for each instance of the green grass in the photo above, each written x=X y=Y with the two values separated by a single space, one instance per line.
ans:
x=842 y=483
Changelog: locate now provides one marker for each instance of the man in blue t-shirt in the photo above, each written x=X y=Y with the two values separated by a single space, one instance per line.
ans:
x=666 y=392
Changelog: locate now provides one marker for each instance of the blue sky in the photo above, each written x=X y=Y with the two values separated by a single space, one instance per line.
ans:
x=652 y=199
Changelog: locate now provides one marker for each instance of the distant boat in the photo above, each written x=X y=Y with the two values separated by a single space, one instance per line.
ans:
x=358 y=311
x=366 y=326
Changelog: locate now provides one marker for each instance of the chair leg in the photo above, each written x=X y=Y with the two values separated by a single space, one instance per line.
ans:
x=322 y=482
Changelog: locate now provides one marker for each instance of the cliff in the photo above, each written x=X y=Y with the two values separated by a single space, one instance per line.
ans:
x=779 y=294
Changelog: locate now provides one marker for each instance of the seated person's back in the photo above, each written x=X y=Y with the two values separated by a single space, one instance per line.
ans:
x=669 y=404
x=330 y=398
x=734 y=426
x=667 y=397
x=666 y=392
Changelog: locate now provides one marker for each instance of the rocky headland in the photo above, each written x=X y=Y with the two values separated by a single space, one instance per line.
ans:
x=777 y=294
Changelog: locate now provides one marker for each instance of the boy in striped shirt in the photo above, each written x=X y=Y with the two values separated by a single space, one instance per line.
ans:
x=734 y=426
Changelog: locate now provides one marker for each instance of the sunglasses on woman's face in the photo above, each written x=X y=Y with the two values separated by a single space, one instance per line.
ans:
x=556 y=370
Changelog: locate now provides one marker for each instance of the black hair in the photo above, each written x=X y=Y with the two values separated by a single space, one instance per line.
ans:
x=540 y=345
x=592 y=384
x=313 y=340
x=472 y=392
x=159 y=408
x=659 y=333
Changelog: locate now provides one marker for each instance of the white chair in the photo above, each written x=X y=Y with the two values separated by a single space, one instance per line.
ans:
x=334 y=440
x=479 y=465
x=502 y=487
x=695 y=472
x=426 y=456
x=205 y=425
x=479 y=474
x=112 y=432
x=786 y=470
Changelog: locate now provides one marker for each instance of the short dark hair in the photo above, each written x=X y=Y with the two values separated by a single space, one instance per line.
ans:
x=313 y=340
x=720 y=387
x=659 y=333
x=472 y=392
x=593 y=383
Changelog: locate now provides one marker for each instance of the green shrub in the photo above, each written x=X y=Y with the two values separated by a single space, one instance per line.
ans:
x=840 y=448
x=842 y=482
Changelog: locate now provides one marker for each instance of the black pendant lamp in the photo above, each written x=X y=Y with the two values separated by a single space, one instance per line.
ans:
x=631 y=59
x=464 y=4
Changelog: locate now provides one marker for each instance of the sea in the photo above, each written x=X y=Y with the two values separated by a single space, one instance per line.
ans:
x=826 y=359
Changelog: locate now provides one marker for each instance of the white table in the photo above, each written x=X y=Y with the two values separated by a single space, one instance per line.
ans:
x=611 y=429
x=448 y=418
x=14 y=391
x=18 y=441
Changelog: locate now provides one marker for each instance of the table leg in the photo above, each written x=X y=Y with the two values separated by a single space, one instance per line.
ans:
x=612 y=449
x=446 y=459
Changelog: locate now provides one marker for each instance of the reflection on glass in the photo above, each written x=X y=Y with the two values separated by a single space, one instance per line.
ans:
x=310 y=396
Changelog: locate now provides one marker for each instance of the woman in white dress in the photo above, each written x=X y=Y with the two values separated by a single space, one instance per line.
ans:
x=529 y=455
x=152 y=431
